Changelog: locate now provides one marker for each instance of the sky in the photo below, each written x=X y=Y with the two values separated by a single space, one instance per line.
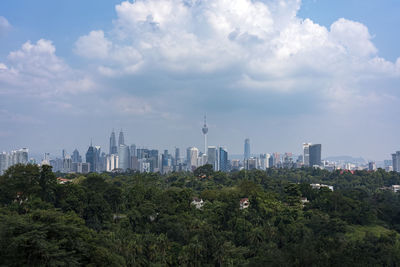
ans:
x=280 y=72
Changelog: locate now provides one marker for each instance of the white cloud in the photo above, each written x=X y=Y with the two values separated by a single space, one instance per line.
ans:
x=4 y=25
x=94 y=45
x=259 y=39
x=35 y=70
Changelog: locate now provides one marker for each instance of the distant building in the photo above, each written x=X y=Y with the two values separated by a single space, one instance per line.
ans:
x=371 y=166
x=91 y=158
x=112 y=162
x=315 y=155
x=198 y=202
x=121 y=140
x=113 y=144
x=223 y=160
x=246 y=154
x=76 y=157
x=212 y=156
x=306 y=154
x=396 y=161
x=244 y=203
x=193 y=155
x=124 y=157
x=318 y=186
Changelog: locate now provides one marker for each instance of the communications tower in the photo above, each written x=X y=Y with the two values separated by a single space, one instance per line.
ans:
x=205 y=131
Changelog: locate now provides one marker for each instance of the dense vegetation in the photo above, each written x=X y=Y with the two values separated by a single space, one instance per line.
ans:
x=147 y=219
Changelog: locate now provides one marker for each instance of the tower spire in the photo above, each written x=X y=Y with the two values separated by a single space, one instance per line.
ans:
x=205 y=131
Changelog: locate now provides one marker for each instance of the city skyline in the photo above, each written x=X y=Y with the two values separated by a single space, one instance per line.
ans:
x=281 y=72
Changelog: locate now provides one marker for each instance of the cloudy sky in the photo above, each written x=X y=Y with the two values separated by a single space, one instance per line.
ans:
x=280 y=72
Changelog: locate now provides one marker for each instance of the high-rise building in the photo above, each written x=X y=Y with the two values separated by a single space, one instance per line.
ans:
x=371 y=166
x=223 y=160
x=177 y=156
x=212 y=156
x=3 y=162
x=121 y=140
x=306 y=154
x=277 y=159
x=246 y=148
x=112 y=162
x=205 y=131
x=396 y=161
x=113 y=144
x=193 y=155
x=263 y=162
x=124 y=157
x=133 y=150
x=315 y=155
x=91 y=158
x=76 y=157
x=67 y=164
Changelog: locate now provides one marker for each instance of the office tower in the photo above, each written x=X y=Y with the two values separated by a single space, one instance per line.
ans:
x=67 y=164
x=271 y=161
x=371 y=166
x=76 y=157
x=133 y=150
x=277 y=159
x=3 y=162
x=205 y=131
x=268 y=158
x=112 y=162
x=193 y=155
x=113 y=144
x=121 y=140
x=124 y=157
x=251 y=163
x=315 y=155
x=63 y=154
x=177 y=156
x=306 y=154
x=263 y=162
x=235 y=164
x=203 y=159
x=223 y=159
x=246 y=148
x=152 y=157
x=98 y=162
x=188 y=156
x=91 y=158
x=212 y=156
x=396 y=161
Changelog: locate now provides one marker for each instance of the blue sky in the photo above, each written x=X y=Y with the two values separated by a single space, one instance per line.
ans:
x=280 y=72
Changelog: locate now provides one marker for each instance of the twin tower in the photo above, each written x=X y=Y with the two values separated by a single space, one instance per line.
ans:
x=113 y=142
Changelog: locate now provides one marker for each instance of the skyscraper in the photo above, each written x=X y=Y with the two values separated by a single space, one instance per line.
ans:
x=306 y=154
x=113 y=144
x=76 y=157
x=396 y=161
x=124 y=157
x=133 y=150
x=193 y=154
x=177 y=155
x=246 y=148
x=205 y=131
x=315 y=155
x=91 y=158
x=121 y=140
x=223 y=159
x=212 y=156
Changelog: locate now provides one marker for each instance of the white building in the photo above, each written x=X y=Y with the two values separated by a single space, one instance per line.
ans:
x=112 y=162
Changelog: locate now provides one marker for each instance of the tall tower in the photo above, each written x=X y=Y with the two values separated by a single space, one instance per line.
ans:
x=246 y=149
x=121 y=140
x=205 y=131
x=113 y=144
